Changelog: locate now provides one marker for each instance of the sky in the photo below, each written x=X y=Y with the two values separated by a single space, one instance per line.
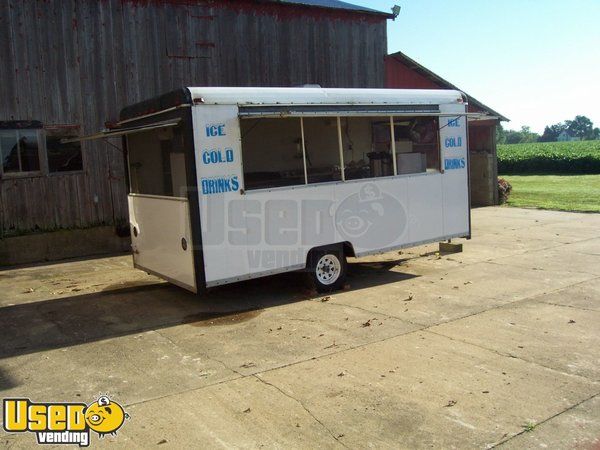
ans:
x=537 y=62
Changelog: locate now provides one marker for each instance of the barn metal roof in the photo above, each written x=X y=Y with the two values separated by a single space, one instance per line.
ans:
x=334 y=4
x=435 y=78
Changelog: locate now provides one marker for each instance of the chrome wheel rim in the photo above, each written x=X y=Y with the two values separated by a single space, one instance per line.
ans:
x=328 y=269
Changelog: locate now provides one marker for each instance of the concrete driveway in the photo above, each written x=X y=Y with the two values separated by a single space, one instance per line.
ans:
x=495 y=346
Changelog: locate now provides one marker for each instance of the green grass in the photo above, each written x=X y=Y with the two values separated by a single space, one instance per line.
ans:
x=560 y=192
x=550 y=157
x=528 y=427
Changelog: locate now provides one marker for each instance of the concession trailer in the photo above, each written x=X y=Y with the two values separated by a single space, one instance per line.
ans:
x=228 y=184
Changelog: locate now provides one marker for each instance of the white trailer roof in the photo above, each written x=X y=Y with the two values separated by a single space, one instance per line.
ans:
x=321 y=96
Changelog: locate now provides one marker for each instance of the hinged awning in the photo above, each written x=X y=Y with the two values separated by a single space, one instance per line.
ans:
x=124 y=131
x=336 y=110
x=279 y=111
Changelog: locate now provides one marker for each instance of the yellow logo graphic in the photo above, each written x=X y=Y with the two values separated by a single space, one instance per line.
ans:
x=63 y=423
x=104 y=416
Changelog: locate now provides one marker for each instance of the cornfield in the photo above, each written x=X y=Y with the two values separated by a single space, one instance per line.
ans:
x=580 y=157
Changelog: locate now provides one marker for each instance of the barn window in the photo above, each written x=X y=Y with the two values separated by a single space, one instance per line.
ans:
x=63 y=157
x=272 y=152
x=20 y=150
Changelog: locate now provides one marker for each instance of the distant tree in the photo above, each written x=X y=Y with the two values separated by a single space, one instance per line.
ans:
x=527 y=135
x=512 y=137
x=521 y=137
x=548 y=135
x=596 y=133
x=580 y=127
x=552 y=132
x=500 y=134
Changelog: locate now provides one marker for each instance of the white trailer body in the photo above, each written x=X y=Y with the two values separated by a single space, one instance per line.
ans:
x=228 y=184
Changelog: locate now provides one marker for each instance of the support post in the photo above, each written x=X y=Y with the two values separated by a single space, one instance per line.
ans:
x=303 y=149
x=341 y=146
x=393 y=147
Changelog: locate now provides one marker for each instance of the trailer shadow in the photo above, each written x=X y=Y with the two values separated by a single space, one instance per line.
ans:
x=56 y=323
x=6 y=381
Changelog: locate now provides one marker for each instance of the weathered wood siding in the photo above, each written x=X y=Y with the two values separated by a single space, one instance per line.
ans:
x=81 y=61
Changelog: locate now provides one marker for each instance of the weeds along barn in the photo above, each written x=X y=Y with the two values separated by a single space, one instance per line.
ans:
x=68 y=66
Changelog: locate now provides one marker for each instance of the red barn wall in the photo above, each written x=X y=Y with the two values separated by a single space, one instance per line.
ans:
x=399 y=76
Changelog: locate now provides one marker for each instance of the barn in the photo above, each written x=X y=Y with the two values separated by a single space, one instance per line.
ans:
x=70 y=65
x=403 y=72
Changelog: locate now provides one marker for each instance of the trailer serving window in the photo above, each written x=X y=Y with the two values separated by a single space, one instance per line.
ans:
x=367 y=147
x=417 y=144
x=315 y=149
x=322 y=150
x=157 y=162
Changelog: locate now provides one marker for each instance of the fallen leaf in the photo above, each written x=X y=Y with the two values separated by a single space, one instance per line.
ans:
x=247 y=410
x=450 y=403
x=366 y=324
x=571 y=321
x=326 y=299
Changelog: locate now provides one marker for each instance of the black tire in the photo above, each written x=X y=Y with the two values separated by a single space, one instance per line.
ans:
x=327 y=269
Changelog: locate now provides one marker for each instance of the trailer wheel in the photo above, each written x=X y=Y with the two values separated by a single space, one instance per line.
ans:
x=327 y=269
